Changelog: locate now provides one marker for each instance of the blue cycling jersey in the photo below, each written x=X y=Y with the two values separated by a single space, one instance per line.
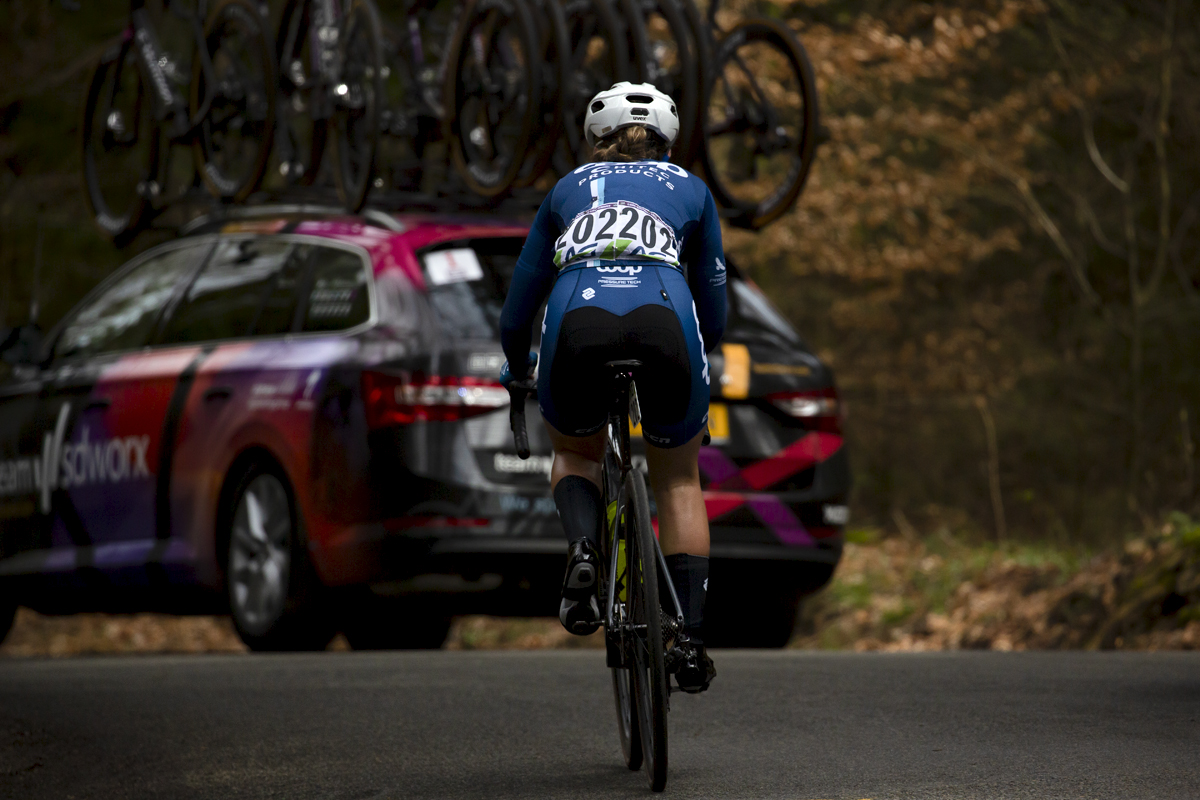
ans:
x=613 y=216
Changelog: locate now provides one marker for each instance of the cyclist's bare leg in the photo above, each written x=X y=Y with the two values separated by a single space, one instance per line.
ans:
x=675 y=479
x=576 y=455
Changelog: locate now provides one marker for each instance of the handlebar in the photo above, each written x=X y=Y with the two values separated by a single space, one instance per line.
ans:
x=517 y=392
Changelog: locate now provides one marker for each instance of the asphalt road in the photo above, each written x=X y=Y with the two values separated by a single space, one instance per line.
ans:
x=541 y=724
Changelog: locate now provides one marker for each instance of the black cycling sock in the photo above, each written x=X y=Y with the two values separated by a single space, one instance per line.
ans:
x=579 y=508
x=690 y=575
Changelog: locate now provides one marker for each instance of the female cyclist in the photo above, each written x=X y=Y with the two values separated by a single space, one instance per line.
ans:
x=628 y=249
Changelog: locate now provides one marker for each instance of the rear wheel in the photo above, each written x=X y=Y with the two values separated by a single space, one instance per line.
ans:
x=274 y=594
x=748 y=618
x=120 y=142
x=235 y=134
x=302 y=126
x=493 y=94
x=8 y=613
x=357 y=101
x=647 y=663
x=671 y=66
x=760 y=129
x=371 y=622
x=598 y=58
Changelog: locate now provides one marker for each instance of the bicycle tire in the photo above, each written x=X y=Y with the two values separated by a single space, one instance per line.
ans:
x=357 y=96
x=627 y=720
x=671 y=66
x=301 y=130
x=486 y=151
x=599 y=58
x=555 y=49
x=703 y=40
x=233 y=140
x=119 y=210
x=650 y=687
x=733 y=167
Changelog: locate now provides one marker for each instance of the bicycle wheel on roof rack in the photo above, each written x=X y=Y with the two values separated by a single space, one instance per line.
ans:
x=493 y=94
x=760 y=128
x=662 y=42
x=599 y=58
x=120 y=143
x=554 y=49
x=357 y=97
x=235 y=101
x=302 y=113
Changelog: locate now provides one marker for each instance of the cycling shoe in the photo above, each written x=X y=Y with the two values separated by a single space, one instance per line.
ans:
x=693 y=668
x=579 y=611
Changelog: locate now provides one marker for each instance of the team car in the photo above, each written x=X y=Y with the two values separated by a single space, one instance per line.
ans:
x=293 y=416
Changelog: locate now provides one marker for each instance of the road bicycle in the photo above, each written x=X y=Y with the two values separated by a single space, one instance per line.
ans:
x=331 y=67
x=643 y=621
x=213 y=93
x=759 y=122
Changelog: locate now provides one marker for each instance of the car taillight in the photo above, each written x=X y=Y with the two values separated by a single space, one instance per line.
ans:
x=816 y=409
x=394 y=400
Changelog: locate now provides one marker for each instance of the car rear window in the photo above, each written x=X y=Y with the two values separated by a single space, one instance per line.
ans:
x=467 y=281
x=340 y=295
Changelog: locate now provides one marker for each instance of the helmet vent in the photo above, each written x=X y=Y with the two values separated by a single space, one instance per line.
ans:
x=596 y=106
x=639 y=98
x=673 y=109
x=639 y=112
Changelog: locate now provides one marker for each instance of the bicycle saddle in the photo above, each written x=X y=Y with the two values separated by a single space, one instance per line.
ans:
x=628 y=363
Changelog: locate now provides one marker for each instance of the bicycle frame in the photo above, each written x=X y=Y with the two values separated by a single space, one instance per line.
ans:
x=152 y=60
x=625 y=409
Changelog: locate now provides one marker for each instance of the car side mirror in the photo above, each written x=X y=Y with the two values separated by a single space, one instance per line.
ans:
x=21 y=345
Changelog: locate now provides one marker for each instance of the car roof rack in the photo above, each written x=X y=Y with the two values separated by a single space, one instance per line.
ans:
x=196 y=209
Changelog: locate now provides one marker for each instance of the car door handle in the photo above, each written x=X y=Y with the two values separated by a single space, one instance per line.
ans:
x=98 y=404
x=219 y=393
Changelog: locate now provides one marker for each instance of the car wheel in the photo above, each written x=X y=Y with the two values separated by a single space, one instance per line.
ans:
x=274 y=594
x=8 y=613
x=388 y=623
x=750 y=621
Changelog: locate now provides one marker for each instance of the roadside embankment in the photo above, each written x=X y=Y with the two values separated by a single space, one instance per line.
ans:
x=890 y=593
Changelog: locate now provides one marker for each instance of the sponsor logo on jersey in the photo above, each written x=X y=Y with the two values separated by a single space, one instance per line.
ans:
x=629 y=270
x=589 y=293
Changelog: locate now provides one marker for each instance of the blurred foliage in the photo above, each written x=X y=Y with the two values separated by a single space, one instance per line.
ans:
x=957 y=254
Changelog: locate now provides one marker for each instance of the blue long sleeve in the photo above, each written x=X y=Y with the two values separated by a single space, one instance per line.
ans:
x=532 y=281
x=706 y=273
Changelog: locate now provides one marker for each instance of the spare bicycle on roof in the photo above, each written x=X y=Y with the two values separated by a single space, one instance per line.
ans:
x=403 y=102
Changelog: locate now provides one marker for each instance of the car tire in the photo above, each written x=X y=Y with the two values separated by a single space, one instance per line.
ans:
x=750 y=620
x=8 y=613
x=371 y=622
x=275 y=597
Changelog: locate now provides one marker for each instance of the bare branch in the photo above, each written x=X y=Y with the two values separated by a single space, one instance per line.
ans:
x=1088 y=216
x=1161 y=134
x=1085 y=115
x=1182 y=225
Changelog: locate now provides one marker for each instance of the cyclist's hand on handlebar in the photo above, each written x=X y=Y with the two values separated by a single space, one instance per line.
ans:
x=507 y=378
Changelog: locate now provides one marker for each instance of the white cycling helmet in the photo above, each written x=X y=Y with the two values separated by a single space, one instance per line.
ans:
x=627 y=104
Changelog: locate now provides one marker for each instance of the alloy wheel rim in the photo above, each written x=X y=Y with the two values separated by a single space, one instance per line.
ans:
x=259 y=553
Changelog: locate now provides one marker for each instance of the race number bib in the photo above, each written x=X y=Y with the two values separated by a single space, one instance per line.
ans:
x=619 y=230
